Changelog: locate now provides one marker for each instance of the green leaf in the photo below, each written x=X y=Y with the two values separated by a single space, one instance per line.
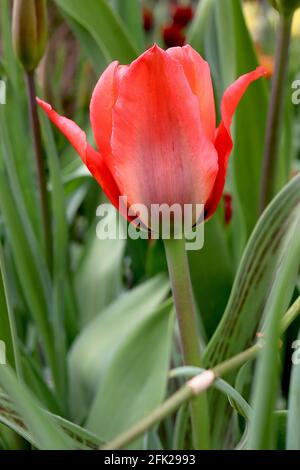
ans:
x=60 y=249
x=180 y=427
x=251 y=287
x=82 y=439
x=135 y=382
x=280 y=419
x=25 y=247
x=8 y=54
x=9 y=417
x=16 y=153
x=60 y=227
x=104 y=25
x=197 y=30
x=254 y=277
x=219 y=32
x=131 y=13
x=98 y=277
x=287 y=146
x=266 y=379
x=293 y=424
x=226 y=44
x=8 y=332
x=96 y=345
x=89 y=46
x=31 y=271
x=212 y=275
x=251 y=114
x=33 y=376
x=45 y=432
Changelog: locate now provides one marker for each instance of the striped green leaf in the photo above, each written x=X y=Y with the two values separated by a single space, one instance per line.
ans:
x=252 y=284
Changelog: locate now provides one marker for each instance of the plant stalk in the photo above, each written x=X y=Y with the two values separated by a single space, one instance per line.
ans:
x=40 y=167
x=275 y=114
x=186 y=315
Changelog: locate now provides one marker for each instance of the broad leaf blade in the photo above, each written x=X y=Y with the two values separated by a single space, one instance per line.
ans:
x=104 y=25
x=95 y=346
x=135 y=382
x=98 y=277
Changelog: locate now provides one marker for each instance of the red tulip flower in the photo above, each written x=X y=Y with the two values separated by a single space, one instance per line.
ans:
x=154 y=124
x=173 y=35
x=182 y=15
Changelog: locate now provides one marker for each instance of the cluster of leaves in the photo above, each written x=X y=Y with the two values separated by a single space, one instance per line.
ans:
x=89 y=345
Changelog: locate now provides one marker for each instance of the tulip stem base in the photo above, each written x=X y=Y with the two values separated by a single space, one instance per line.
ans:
x=274 y=122
x=40 y=166
x=187 y=320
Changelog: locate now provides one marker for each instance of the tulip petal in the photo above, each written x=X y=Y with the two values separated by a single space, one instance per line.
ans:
x=89 y=156
x=102 y=102
x=235 y=92
x=74 y=134
x=198 y=74
x=160 y=152
x=223 y=140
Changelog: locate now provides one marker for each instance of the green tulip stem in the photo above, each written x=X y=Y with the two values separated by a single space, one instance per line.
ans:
x=275 y=114
x=187 y=320
x=40 y=166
